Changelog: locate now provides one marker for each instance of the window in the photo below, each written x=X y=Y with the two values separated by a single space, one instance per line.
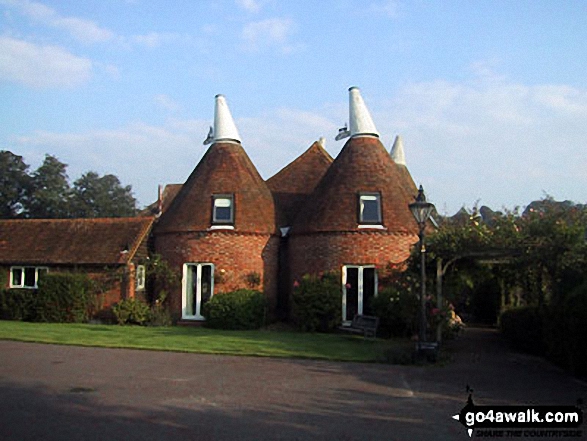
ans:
x=369 y=208
x=26 y=276
x=140 y=278
x=223 y=209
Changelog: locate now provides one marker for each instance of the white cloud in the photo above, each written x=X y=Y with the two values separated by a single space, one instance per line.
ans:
x=272 y=32
x=389 y=8
x=41 y=66
x=166 y=154
x=249 y=5
x=83 y=30
x=153 y=39
x=499 y=141
x=167 y=102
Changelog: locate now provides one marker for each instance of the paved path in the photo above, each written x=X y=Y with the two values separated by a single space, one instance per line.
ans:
x=50 y=392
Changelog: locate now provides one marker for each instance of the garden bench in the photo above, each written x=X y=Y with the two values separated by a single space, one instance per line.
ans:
x=362 y=324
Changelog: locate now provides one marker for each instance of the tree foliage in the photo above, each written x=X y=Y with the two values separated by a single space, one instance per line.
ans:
x=95 y=196
x=49 y=191
x=14 y=184
x=47 y=194
x=536 y=257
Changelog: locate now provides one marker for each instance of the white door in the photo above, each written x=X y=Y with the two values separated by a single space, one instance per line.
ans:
x=197 y=289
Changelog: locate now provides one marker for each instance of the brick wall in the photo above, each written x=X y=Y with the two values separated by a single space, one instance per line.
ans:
x=312 y=253
x=234 y=255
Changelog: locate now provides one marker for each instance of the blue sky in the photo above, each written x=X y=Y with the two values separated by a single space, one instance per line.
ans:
x=490 y=97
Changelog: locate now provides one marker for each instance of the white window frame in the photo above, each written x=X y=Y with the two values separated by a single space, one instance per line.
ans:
x=220 y=197
x=140 y=277
x=22 y=269
x=187 y=284
x=372 y=195
x=359 y=289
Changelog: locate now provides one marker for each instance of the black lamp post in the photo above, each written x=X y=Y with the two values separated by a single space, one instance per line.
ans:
x=421 y=211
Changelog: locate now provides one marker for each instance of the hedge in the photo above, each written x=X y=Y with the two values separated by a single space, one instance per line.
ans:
x=240 y=309
x=60 y=297
x=557 y=331
x=64 y=298
x=17 y=304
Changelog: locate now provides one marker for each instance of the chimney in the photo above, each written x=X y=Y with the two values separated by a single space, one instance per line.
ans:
x=361 y=123
x=397 y=151
x=224 y=128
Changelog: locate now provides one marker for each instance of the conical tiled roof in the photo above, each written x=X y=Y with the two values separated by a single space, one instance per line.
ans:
x=399 y=157
x=224 y=169
x=363 y=165
x=296 y=181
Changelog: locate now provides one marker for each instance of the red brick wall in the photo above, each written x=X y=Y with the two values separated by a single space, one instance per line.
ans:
x=312 y=253
x=234 y=255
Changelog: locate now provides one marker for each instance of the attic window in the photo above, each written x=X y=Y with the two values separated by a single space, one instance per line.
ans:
x=223 y=209
x=370 y=208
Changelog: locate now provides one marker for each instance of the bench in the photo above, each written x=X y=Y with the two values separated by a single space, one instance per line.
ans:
x=362 y=324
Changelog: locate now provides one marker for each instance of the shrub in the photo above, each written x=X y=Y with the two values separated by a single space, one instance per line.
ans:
x=64 y=298
x=575 y=312
x=316 y=303
x=159 y=316
x=397 y=312
x=131 y=312
x=240 y=309
x=522 y=327
x=17 y=304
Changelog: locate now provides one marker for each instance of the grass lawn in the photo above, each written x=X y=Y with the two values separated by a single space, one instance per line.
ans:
x=208 y=341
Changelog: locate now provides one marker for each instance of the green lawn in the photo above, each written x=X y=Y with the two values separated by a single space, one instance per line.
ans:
x=207 y=341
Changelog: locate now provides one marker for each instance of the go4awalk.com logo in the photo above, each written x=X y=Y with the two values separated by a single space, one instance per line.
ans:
x=521 y=421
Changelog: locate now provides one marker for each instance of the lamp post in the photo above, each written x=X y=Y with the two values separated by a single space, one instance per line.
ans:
x=421 y=211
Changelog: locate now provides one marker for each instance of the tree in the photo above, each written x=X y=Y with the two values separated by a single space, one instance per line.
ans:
x=95 y=196
x=48 y=194
x=14 y=183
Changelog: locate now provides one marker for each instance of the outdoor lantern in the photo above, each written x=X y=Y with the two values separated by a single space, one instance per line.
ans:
x=421 y=211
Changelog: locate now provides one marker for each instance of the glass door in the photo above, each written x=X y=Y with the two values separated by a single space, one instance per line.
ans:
x=197 y=289
x=359 y=286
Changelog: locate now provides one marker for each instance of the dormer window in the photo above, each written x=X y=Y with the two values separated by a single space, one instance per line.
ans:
x=370 y=209
x=223 y=209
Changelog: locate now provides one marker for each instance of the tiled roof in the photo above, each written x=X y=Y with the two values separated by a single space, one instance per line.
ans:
x=296 y=181
x=224 y=169
x=72 y=241
x=407 y=181
x=363 y=165
x=169 y=193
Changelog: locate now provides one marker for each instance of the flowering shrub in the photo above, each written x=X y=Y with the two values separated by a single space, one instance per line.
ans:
x=317 y=304
x=445 y=317
x=397 y=312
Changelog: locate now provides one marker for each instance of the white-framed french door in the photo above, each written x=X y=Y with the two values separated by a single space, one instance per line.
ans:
x=197 y=289
x=359 y=285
